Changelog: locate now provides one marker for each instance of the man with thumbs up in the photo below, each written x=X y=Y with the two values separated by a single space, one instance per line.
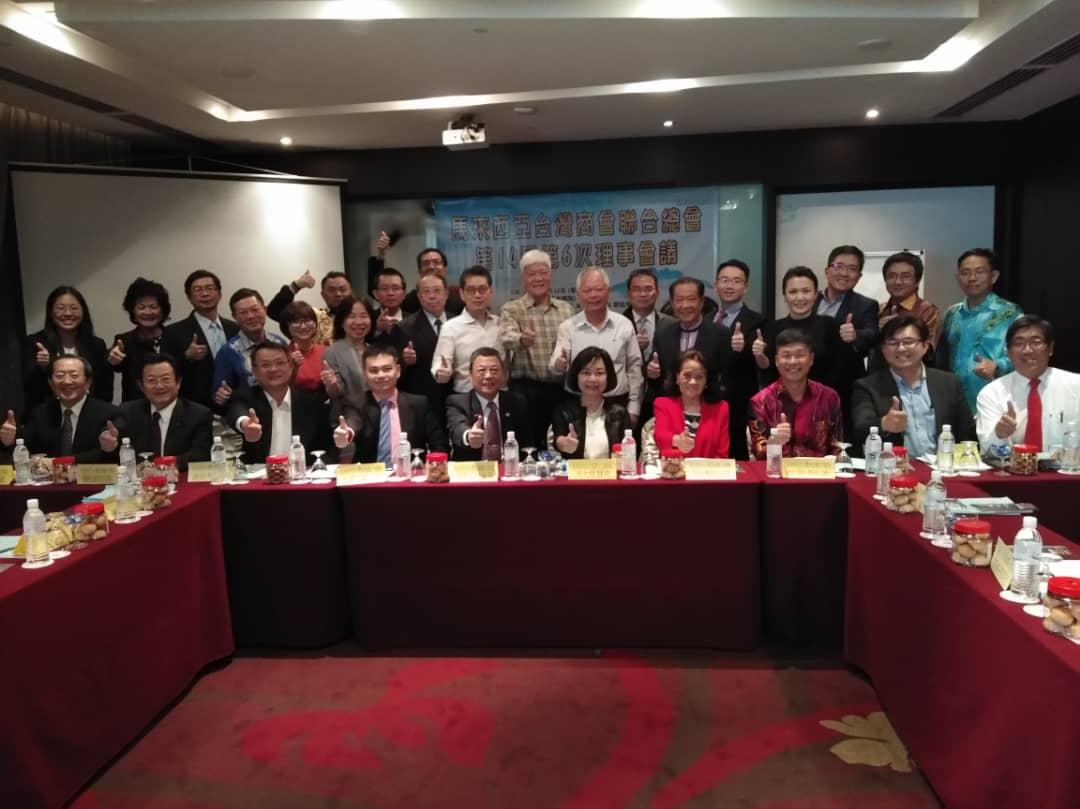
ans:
x=415 y=339
x=478 y=421
x=195 y=341
x=732 y=283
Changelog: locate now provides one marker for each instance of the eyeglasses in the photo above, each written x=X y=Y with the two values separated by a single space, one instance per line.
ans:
x=731 y=282
x=1035 y=344
x=208 y=288
x=476 y=290
x=848 y=268
x=978 y=272
x=907 y=276
x=907 y=342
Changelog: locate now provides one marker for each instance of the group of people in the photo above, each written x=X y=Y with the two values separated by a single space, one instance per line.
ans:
x=440 y=365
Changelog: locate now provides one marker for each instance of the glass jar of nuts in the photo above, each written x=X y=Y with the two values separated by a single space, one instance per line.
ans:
x=155 y=492
x=277 y=469
x=166 y=465
x=903 y=494
x=438 y=470
x=63 y=469
x=971 y=543
x=1024 y=460
x=95 y=525
x=671 y=465
x=1062 y=602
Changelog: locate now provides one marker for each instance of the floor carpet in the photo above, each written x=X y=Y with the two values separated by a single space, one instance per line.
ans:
x=341 y=730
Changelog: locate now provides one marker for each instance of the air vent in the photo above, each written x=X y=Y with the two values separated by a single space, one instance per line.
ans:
x=1002 y=85
x=1057 y=54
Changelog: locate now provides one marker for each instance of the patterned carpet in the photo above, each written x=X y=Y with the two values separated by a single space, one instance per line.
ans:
x=344 y=731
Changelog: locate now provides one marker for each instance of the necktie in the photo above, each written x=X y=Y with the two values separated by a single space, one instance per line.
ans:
x=1033 y=433
x=492 y=434
x=215 y=338
x=384 y=432
x=67 y=433
x=155 y=433
x=643 y=328
x=438 y=326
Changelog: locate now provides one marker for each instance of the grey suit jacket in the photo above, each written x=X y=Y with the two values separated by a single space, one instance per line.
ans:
x=343 y=358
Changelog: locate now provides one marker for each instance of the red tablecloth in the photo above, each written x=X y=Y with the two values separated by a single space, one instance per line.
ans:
x=285 y=561
x=1055 y=496
x=95 y=646
x=51 y=498
x=554 y=563
x=984 y=698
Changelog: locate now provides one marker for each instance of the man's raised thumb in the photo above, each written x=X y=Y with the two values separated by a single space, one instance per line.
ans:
x=1012 y=410
x=341 y=423
x=848 y=321
x=738 y=328
x=573 y=431
x=783 y=418
x=253 y=415
x=895 y=403
x=11 y=416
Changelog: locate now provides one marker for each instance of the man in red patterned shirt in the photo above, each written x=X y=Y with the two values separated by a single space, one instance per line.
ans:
x=804 y=413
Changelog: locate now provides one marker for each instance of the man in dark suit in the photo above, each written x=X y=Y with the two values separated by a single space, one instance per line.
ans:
x=908 y=401
x=73 y=423
x=196 y=340
x=479 y=420
x=644 y=288
x=415 y=341
x=163 y=423
x=431 y=261
x=732 y=282
x=362 y=434
x=272 y=411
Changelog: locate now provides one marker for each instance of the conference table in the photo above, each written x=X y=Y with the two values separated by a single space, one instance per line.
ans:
x=54 y=497
x=1054 y=495
x=96 y=645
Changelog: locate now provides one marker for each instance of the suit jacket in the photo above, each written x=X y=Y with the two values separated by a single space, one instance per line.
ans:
x=36 y=378
x=742 y=380
x=196 y=377
x=189 y=435
x=713 y=340
x=661 y=320
x=462 y=410
x=344 y=359
x=872 y=395
x=363 y=414
x=310 y=421
x=616 y=423
x=417 y=378
x=41 y=432
x=130 y=369
x=849 y=362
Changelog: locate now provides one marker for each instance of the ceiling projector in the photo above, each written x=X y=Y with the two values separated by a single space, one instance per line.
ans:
x=464 y=133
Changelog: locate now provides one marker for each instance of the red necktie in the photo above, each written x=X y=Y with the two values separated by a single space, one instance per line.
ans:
x=1033 y=433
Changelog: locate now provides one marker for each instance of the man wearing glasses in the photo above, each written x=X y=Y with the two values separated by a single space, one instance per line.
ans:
x=476 y=327
x=972 y=343
x=907 y=401
x=1033 y=403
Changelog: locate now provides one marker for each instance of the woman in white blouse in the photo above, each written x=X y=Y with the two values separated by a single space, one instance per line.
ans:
x=588 y=427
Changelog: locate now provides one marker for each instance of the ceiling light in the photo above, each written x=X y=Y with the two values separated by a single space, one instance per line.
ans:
x=873 y=113
x=285 y=141
x=525 y=110
x=669 y=124
x=875 y=44
x=661 y=86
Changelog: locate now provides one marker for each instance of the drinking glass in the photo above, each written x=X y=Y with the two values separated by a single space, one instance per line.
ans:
x=967 y=464
x=418 y=469
x=318 y=470
x=1001 y=454
x=547 y=465
x=40 y=470
x=146 y=466
x=844 y=467
x=529 y=469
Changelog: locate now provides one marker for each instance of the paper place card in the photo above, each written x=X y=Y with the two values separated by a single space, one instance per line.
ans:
x=198 y=472
x=1001 y=563
x=709 y=468
x=352 y=474
x=95 y=473
x=810 y=468
x=592 y=469
x=474 y=471
x=7 y=475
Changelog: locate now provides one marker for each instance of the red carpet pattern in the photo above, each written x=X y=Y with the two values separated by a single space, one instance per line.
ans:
x=517 y=733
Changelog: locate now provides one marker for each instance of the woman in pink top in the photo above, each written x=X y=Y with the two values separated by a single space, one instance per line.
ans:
x=301 y=325
x=694 y=421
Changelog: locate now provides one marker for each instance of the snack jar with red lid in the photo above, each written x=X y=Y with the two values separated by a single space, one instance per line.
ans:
x=438 y=470
x=1024 y=460
x=1062 y=602
x=155 y=490
x=63 y=469
x=903 y=494
x=972 y=543
x=671 y=465
x=903 y=462
x=166 y=465
x=616 y=451
x=277 y=468
x=95 y=523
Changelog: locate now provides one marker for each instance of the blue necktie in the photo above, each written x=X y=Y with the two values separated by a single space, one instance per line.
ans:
x=384 y=432
x=215 y=338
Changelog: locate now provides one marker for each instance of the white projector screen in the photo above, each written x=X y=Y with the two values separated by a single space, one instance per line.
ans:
x=99 y=231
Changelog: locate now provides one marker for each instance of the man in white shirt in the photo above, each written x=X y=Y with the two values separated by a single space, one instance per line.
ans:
x=1033 y=403
x=476 y=327
x=596 y=325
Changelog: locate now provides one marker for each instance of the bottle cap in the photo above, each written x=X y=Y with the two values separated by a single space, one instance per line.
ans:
x=946 y=428
x=125 y=442
x=509 y=434
x=19 y=442
x=1025 y=448
x=1030 y=522
x=904 y=481
x=873 y=430
x=296 y=439
x=277 y=459
x=969 y=527
x=886 y=446
x=1063 y=587
x=32 y=503
x=437 y=457
x=628 y=434
x=404 y=436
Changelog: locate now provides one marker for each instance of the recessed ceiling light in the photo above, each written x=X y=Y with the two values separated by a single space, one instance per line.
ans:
x=669 y=124
x=285 y=141
x=525 y=110
x=873 y=113
x=875 y=44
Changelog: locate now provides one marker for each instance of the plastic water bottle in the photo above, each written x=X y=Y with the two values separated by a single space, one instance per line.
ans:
x=1026 y=549
x=1070 y=461
x=126 y=487
x=20 y=459
x=402 y=458
x=945 y=446
x=886 y=469
x=511 y=457
x=933 y=524
x=127 y=458
x=37 y=539
x=872 y=451
x=774 y=454
x=297 y=461
x=628 y=456
x=219 y=465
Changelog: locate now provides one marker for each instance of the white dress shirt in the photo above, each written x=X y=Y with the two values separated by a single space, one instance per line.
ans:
x=1060 y=394
x=280 y=424
x=596 y=437
x=459 y=337
x=617 y=337
x=76 y=409
x=166 y=416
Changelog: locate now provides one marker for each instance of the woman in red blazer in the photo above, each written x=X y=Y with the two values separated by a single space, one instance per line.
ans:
x=693 y=421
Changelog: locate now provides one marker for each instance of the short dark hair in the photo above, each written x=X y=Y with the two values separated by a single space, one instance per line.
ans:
x=485 y=351
x=379 y=349
x=981 y=252
x=904 y=257
x=160 y=359
x=344 y=309
x=790 y=337
x=421 y=254
x=638 y=273
x=798 y=272
x=144 y=288
x=331 y=275
x=902 y=322
x=476 y=271
x=390 y=272
x=737 y=263
x=267 y=345
x=88 y=369
x=1030 y=322
x=847 y=250
x=698 y=284
x=712 y=392
x=195 y=276
x=295 y=311
x=586 y=357
x=244 y=292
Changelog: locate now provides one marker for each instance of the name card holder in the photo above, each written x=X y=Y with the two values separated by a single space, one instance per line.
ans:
x=710 y=468
x=95 y=474
x=356 y=474
x=198 y=472
x=474 y=471
x=7 y=475
x=1001 y=563
x=592 y=469
x=808 y=468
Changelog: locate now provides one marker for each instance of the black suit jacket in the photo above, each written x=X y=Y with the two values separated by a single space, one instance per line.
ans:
x=616 y=423
x=872 y=395
x=713 y=340
x=189 y=435
x=422 y=423
x=310 y=421
x=41 y=432
x=196 y=377
x=849 y=361
x=417 y=378
x=742 y=379
x=36 y=379
x=462 y=410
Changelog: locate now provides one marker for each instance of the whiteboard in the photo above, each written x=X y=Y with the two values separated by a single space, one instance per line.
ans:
x=99 y=231
x=872 y=284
